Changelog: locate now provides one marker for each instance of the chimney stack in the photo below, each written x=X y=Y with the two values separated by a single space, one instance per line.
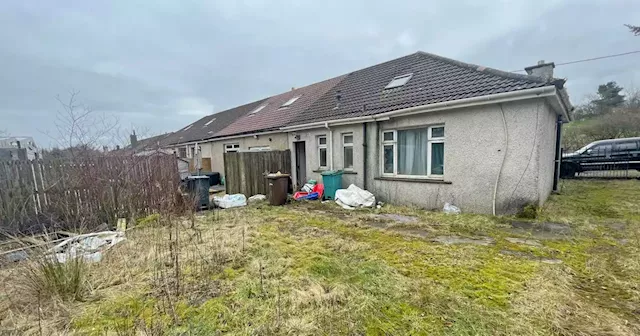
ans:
x=133 y=139
x=542 y=70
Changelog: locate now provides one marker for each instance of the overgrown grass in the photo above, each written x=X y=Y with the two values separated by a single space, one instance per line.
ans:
x=315 y=269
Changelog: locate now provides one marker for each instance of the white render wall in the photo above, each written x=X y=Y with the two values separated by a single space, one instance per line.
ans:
x=215 y=149
x=474 y=149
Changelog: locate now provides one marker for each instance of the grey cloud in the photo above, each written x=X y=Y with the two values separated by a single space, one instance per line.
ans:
x=161 y=64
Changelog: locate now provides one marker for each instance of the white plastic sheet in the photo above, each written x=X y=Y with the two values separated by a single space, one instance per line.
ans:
x=354 y=197
x=88 y=246
x=230 y=201
x=257 y=198
x=451 y=209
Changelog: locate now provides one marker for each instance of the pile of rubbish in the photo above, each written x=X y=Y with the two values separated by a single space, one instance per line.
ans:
x=310 y=191
x=89 y=246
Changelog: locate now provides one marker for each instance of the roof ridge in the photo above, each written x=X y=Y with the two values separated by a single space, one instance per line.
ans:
x=486 y=69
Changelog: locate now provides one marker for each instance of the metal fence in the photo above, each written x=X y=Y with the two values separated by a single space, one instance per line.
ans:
x=602 y=163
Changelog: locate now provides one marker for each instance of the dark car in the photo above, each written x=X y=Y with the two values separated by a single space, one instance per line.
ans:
x=612 y=154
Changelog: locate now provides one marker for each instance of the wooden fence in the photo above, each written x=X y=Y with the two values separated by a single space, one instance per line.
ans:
x=83 y=193
x=244 y=171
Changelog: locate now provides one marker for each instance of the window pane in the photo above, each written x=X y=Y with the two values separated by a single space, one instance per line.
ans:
x=388 y=159
x=348 y=139
x=323 y=157
x=322 y=140
x=437 y=159
x=627 y=146
x=412 y=151
x=437 y=132
x=388 y=136
x=348 y=157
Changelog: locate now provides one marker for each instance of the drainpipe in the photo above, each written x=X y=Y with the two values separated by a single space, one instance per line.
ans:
x=330 y=146
x=558 y=160
x=364 y=157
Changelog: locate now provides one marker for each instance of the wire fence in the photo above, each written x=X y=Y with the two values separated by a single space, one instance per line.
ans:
x=602 y=162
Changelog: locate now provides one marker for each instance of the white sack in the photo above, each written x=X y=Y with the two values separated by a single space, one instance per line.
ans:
x=354 y=197
x=230 y=201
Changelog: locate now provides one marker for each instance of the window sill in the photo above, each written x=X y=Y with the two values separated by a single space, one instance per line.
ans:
x=408 y=179
x=344 y=172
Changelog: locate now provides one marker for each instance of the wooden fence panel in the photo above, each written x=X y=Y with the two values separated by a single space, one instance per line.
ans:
x=83 y=192
x=244 y=171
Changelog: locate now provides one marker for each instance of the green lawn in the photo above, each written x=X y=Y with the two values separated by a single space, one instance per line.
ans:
x=312 y=268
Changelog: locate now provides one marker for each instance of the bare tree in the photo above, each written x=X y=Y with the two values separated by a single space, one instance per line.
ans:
x=634 y=29
x=80 y=129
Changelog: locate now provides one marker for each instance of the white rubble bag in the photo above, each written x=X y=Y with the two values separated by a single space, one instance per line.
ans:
x=354 y=197
x=230 y=201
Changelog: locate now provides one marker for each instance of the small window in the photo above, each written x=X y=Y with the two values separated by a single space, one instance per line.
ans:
x=186 y=128
x=322 y=151
x=290 y=101
x=388 y=136
x=398 y=81
x=258 y=109
x=231 y=148
x=182 y=152
x=347 y=150
x=210 y=121
x=259 y=148
x=192 y=150
x=627 y=146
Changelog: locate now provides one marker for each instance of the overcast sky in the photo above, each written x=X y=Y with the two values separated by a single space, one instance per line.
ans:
x=159 y=65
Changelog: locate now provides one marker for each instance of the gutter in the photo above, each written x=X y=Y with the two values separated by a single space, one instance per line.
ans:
x=237 y=136
x=545 y=91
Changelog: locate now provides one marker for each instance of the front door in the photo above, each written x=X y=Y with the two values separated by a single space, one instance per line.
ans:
x=301 y=164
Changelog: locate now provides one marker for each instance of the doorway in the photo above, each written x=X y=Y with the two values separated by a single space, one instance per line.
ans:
x=301 y=164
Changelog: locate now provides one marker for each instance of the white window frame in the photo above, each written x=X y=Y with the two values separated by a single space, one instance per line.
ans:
x=322 y=146
x=347 y=145
x=430 y=140
x=290 y=102
x=231 y=147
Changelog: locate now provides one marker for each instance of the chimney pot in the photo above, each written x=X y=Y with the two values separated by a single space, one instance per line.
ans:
x=542 y=70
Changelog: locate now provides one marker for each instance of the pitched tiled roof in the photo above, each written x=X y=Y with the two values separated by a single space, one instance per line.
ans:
x=434 y=79
x=272 y=116
x=199 y=130
x=153 y=142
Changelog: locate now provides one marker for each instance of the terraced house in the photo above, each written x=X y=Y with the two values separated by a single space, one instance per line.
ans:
x=421 y=129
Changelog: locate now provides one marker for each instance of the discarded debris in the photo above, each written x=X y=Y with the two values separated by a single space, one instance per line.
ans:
x=450 y=209
x=88 y=246
x=257 y=198
x=354 y=197
x=230 y=201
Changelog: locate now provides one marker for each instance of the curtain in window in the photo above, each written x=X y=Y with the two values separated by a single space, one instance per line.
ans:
x=412 y=151
x=437 y=158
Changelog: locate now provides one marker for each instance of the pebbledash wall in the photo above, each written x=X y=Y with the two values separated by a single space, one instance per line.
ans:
x=474 y=150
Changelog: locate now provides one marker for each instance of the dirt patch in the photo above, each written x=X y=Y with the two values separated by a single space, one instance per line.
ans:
x=452 y=240
x=522 y=241
x=410 y=231
x=530 y=256
x=544 y=230
x=397 y=218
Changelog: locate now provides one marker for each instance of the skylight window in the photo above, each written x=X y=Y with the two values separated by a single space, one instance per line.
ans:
x=399 y=81
x=290 y=101
x=187 y=128
x=258 y=109
x=209 y=122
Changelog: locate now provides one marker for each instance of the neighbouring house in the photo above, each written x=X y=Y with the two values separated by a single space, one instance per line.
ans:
x=251 y=127
x=19 y=148
x=420 y=130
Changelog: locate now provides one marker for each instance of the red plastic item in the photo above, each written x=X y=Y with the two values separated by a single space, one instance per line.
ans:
x=318 y=188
